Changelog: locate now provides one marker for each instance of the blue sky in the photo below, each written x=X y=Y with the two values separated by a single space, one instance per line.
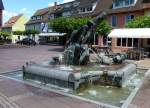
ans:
x=28 y=7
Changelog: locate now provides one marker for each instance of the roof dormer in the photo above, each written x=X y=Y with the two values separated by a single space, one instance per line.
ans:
x=123 y=3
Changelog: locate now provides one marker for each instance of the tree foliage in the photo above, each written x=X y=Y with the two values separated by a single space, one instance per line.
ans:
x=103 y=28
x=18 y=32
x=31 y=32
x=26 y=32
x=139 y=22
x=5 y=35
x=67 y=25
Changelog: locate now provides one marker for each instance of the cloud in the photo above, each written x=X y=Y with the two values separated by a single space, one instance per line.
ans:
x=9 y=13
x=65 y=1
x=24 y=11
x=51 y=4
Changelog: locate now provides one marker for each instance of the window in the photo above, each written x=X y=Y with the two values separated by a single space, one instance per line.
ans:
x=123 y=3
x=39 y=17
x=51 y=16
x=114 y=21
x=119 y=42
x=135 y=42
x=89 y=8
x=76 y=4
x=67 y=6
x=86 y=9
x=124 y=42
x=33 y=18
x=132 y=1
x=82 y=9
x=128 y=18
x=148 y=41
x=127 y=2
x=129 y=43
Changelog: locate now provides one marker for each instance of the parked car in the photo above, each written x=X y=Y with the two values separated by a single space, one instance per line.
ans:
x=27 y=41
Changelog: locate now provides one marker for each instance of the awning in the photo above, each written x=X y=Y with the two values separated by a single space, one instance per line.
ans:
x=130 y=33
x=51 y=34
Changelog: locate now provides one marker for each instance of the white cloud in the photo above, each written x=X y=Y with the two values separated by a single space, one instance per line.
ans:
x=51 y=4
x=9 y=13
x=65 y=1
x=24 y=11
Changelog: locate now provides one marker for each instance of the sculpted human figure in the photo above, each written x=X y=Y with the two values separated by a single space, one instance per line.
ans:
x=81 y=39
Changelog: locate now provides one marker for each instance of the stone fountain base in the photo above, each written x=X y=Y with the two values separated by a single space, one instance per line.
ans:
x=72 y=77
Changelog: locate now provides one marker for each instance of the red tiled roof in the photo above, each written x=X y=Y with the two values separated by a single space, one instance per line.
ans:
x=11 y=21
x=41 y=12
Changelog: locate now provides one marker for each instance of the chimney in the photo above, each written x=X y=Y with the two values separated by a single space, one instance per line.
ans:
x=55 y=5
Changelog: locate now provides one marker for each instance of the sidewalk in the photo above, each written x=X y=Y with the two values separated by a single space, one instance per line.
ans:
x=13 y=59
x=142 y=98
x=19 y=95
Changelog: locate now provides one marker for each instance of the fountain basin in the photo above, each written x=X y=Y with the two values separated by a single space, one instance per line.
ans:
x=73 y=79
x=104 y=95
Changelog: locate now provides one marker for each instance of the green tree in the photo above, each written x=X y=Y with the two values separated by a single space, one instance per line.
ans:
x=67 y=25
x=139 y=22
x=103 y=28
x=31 y=32
x=18 y=32
x=5 y=35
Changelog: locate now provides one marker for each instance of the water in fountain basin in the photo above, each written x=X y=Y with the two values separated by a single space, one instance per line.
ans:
x=105 y=94
x=112 y=95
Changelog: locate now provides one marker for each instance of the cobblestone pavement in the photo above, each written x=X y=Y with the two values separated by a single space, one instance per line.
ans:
x=5 y=103
x=12 y=59
x=18 y=95
x=143 y=64
x=14 y=94
x=142 y=98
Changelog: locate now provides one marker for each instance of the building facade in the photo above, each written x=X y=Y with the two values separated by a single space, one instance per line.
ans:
x=77 y=8
x=1 y=13
x=16 y=23
x=119 y=13
x=39 y=21
x=123 y=11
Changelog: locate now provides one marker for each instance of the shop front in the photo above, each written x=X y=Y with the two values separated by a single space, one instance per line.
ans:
x=52 y=38
x=130 y=39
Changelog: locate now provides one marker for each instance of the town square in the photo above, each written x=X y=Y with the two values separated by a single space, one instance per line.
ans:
x=75 y=54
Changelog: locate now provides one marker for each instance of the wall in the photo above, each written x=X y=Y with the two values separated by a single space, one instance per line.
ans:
x=1 y=18
x=121 y=24
x=8 y=29
x=121 y=17
x=20 y=24
x=36 y=26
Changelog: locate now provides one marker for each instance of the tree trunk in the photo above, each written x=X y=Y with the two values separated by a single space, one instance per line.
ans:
x=100 y=41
